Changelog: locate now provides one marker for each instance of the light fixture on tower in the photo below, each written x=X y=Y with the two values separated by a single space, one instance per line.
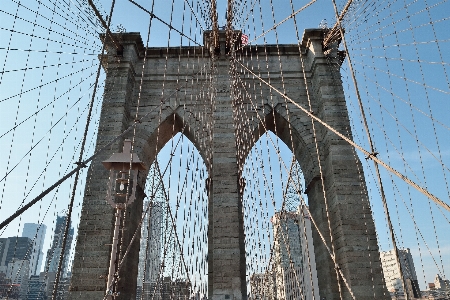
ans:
x=123 y=172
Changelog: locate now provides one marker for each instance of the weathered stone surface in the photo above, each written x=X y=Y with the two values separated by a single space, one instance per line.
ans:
x=182 y=93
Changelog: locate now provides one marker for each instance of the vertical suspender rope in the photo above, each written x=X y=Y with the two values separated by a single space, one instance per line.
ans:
x=370 y=155
x=372 y=150
x=77 y=174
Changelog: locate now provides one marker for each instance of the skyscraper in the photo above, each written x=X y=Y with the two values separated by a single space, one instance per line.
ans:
x=53 y=254
x=18 y=272
x=288 y=258
x=4 y=245
x=17 y=248
x=36 y=232
x=392 y=276
x=150 y=249
x=310 y=280
x=15 y=253
x=294 y=260
x=36 y=288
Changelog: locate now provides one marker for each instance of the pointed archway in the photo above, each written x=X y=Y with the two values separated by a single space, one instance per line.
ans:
x=223 y=125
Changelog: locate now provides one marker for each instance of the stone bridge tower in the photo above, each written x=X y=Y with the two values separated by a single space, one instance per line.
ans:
x=215 y=135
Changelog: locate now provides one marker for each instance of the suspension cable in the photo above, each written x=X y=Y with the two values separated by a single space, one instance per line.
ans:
x=369 y=154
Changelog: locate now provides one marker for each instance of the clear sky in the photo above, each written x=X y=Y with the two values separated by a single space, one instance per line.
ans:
x=48 y=61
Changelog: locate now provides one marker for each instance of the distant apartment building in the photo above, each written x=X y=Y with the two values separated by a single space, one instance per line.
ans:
x=36 y=288
x=15 y=254
x=263 y=286
x=18 y=271
x=4 y=245
x=164 y=288
x=437 y=290
x=7 y=289
x=63 y=286
x=294 y=260
x=441 y=284
x=392 y=275
x=35 y=232
x=14 y=248
x=54 y=253
x=41 y=287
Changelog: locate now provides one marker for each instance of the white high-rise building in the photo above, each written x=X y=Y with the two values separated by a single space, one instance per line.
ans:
x=441 y=284
x=311 y=283
x=150 y=245
x=392 y=276
x=294 y=260
x=35 y=232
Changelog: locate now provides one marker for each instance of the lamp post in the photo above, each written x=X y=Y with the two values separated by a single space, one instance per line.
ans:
x=123 y=170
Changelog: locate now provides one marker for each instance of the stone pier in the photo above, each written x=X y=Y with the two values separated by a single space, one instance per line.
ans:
x=213 y=132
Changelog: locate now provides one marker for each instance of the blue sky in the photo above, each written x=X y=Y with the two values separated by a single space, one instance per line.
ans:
x=401 y=66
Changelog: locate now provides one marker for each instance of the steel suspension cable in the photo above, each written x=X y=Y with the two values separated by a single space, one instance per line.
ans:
x=80 y=159
x=366 y=152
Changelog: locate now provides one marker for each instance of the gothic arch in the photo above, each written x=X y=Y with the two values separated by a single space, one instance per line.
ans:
x=300 y=145
x=151 y=138
x=348 y=209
